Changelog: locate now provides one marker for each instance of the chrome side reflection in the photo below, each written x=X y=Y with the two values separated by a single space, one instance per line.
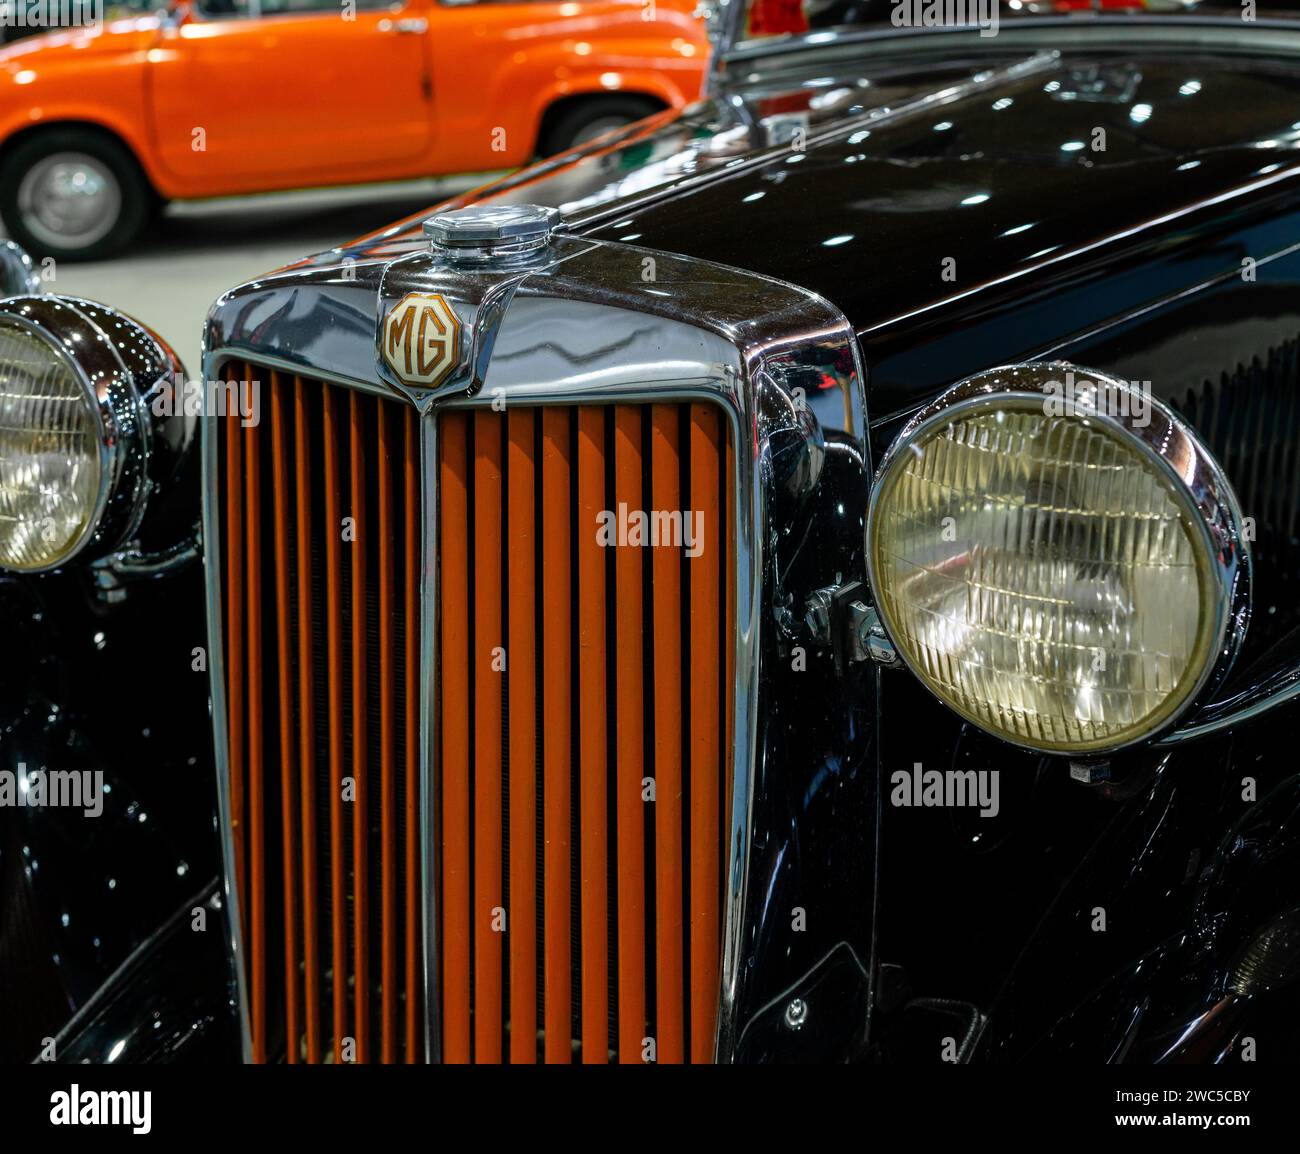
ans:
x=18 y=275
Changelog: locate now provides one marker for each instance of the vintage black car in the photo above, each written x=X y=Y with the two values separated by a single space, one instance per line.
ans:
x=809 y=579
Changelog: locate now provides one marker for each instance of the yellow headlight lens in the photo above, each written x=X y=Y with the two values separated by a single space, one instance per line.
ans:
x=1044 y=576
x=49 y=454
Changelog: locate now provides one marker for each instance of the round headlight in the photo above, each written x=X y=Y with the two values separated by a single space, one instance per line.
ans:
x=1063 y=566
x=50 y=445
x=83 y=439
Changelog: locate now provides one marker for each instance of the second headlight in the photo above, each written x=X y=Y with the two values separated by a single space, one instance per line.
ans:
x=51 y=466
x=80 y=452
x=1067 y=572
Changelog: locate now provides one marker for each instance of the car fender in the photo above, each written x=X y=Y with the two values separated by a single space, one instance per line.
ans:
x=1216 y=967
x=512 y=90
x=103 y=86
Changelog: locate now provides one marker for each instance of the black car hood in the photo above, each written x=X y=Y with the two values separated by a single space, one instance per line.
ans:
x=914 y=193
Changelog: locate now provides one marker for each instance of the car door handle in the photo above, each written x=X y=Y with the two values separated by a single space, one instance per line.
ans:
x=408 y=26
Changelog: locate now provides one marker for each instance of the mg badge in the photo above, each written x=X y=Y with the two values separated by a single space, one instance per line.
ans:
x=421 y=339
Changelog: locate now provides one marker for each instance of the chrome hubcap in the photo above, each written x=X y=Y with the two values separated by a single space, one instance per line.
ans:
x=70 y=200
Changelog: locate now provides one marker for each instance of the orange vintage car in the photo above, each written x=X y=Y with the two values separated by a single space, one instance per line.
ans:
x=217 y=97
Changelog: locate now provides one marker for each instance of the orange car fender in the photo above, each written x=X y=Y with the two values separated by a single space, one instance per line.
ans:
x=130 y=133
x=102 y=91
x=494 y=77
x=632 y=82
x=513 y=116
x=674 y=82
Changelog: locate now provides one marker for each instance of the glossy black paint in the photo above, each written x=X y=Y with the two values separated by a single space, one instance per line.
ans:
x=1199 y=954
x=159 y=1005
x=1001 y=178
x=111 y=689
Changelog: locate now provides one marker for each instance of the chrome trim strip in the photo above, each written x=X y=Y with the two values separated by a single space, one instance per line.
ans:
x=212 y=362
x=750 y=518
x=238 y=351
x=1255 y=701
x=430 y=723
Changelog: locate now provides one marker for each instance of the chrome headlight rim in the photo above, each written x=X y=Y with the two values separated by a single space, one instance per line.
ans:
x=1195 y=479
x=114 y=401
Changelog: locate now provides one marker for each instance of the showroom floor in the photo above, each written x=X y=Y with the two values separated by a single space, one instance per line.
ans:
x=198 y=250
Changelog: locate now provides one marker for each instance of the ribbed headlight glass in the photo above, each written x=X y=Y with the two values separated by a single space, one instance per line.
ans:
x=50 y=468
x=1043 y=575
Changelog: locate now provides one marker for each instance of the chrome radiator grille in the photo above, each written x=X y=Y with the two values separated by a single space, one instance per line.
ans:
x=572 y=919
x=1249 y=417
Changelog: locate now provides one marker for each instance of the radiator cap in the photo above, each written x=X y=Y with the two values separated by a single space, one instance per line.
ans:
x=484 y=231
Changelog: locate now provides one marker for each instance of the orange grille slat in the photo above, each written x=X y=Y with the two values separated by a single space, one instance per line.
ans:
x=625 y=927
x=333 y=530
x=488 y=655
x=591 y=736
x=306 y=722
x=706 y=751
x=630 y=726
x=521 y=651
x=557 y=761
x=362 y=530
x=667 y=609
x=320 y=687
x=285 y=702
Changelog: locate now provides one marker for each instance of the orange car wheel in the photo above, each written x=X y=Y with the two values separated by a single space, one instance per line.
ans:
x=73 y=193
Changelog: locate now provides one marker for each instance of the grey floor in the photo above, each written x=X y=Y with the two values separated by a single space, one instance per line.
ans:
x=198 y=250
